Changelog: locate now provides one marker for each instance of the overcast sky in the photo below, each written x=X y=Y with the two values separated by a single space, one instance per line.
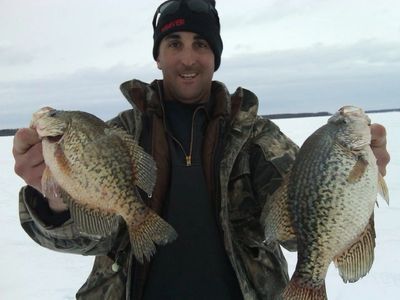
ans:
x=296 y=55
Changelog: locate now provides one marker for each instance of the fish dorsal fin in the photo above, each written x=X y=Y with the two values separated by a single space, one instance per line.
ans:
x=356 y=261
x=382 y=188
x=92 y=222
x=358 y=170
x=144 y=164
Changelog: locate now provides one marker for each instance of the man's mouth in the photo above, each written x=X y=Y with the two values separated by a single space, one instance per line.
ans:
x=188 y=75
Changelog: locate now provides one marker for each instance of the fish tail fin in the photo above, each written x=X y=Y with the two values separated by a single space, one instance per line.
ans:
x=298 y=289
x=151 y=232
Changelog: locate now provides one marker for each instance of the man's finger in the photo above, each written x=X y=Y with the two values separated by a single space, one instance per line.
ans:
x=378 y=135
x=24 y=139
x=378 y=146
x=35 y=177
x=31 y=158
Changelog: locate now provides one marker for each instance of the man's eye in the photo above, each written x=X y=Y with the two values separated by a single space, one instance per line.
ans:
x=174 y=44
x=202 y=44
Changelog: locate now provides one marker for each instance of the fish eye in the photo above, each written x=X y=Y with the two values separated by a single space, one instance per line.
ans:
x=52 y=113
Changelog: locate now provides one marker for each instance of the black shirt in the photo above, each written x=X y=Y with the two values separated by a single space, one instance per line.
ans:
x=195 y=265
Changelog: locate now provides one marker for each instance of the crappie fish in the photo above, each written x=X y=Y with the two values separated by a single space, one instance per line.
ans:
x=326 y=205
x=99 y=167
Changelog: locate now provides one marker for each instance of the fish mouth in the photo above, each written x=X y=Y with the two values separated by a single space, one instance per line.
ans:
x=350 y=110
x=54 y=139
x=51 y=134
x=47 y=125
x=348 y=113
x=38 y=115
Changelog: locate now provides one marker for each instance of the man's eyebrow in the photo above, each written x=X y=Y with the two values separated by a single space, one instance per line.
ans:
x=172 y=36
x=199 y=37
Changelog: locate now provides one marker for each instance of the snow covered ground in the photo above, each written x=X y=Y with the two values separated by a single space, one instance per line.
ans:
x=32 y=272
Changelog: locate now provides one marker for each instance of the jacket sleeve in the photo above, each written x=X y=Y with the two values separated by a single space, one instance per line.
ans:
x=272 y=159
x=258 y=171
x=58 y=231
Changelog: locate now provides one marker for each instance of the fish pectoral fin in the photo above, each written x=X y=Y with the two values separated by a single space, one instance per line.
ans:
x=356 y=261
x=358 y=170
x=143 y=163
x=146 y=169
x=50 y=188
x=382 y=188
x=277 y=220
x=92 y=222
x=62 y=162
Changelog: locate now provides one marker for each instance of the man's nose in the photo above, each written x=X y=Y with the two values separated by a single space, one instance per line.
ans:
x=188 y=57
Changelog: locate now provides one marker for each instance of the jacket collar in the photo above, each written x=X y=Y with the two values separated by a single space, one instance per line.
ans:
x=147 y=98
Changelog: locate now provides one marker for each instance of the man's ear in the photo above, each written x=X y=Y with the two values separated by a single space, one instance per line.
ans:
x=158 y=64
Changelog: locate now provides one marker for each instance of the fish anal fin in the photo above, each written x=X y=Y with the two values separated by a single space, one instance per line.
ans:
x=149 y=233
x=144 y=166
x=358 y=170
x=277 y=220
x=356 y=261
x=92 y=221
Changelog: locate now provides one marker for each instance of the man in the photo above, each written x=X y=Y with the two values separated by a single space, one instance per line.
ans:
x=218 y=162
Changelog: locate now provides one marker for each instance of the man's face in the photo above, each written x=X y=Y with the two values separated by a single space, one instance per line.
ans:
x=187 y=63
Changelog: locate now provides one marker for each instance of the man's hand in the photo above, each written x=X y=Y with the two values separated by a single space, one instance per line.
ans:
x=378 y=146
x=29 y=163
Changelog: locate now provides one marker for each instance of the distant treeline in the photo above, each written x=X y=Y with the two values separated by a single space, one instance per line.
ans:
x=319 y=114
x=10 y=132
x=297 y=115
x=7 y=132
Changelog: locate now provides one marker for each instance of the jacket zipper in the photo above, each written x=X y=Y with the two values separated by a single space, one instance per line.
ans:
x=188 y=156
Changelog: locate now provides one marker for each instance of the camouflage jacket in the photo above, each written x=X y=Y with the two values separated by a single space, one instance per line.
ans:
x=253 y=158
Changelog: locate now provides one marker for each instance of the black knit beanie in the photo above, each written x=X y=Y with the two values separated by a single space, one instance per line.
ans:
x=198 y=16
